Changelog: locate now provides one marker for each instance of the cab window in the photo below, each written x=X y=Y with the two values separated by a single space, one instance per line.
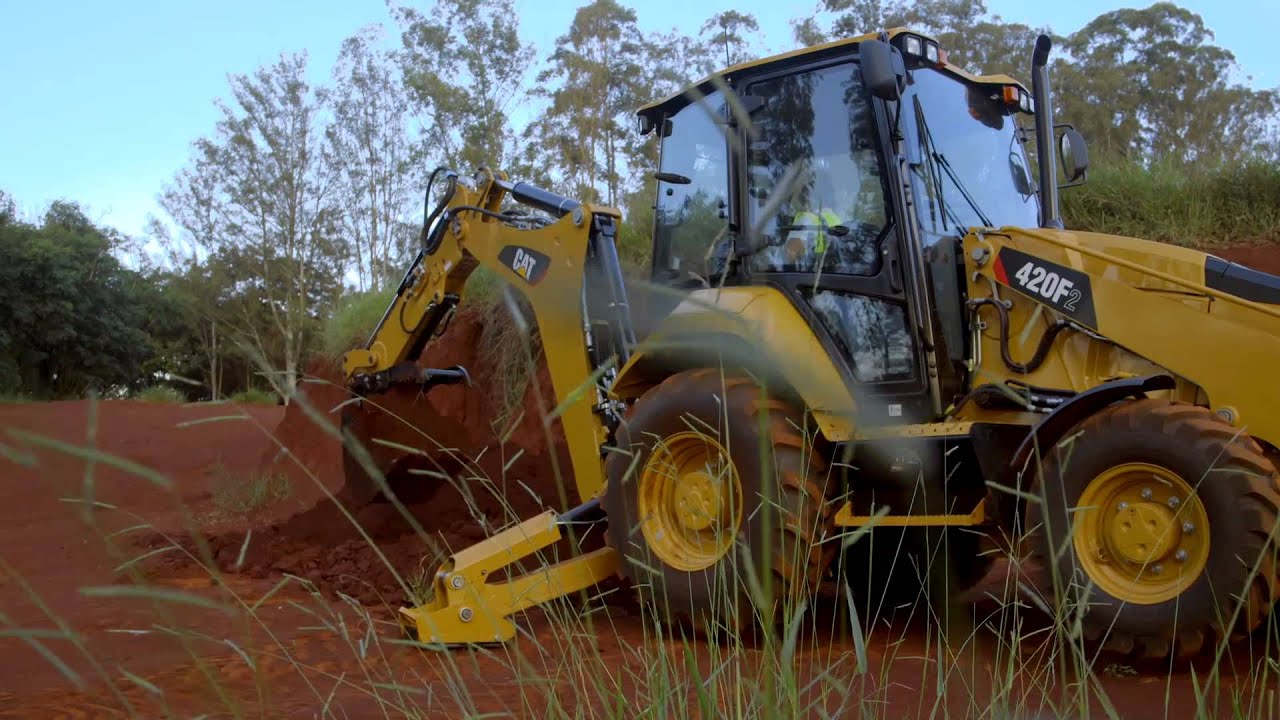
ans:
x=815 y=185
x=692 y=208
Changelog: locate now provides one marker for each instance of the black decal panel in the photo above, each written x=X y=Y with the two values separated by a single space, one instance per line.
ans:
x=528 y=263
x=1064 y=289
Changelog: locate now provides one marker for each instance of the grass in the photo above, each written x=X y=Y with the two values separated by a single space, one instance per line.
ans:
x=237 y=495
x=160 y=394
x=355 y=318
x=1178 y=205
x=855 y=653
x=255 y=396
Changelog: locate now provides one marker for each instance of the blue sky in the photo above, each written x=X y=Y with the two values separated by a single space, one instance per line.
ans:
x=99 y=101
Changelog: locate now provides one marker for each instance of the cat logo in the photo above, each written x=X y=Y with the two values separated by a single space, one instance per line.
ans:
x=529 y=264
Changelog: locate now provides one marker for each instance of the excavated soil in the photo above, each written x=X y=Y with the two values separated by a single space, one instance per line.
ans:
x=457 y=476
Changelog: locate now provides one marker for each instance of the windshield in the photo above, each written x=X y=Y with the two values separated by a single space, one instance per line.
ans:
x=967 y=167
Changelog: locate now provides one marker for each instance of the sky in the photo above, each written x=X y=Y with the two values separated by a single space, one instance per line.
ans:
x=100 y=102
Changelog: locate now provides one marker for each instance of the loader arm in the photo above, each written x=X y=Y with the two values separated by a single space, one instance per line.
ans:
x=567 y=267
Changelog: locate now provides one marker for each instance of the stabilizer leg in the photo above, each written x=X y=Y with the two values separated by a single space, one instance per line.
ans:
x=466 y=609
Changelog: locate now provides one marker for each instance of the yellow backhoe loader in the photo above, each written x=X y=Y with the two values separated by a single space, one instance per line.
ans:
x=868 y=312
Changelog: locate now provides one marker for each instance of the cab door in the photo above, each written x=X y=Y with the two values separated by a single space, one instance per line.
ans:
x=818 y=207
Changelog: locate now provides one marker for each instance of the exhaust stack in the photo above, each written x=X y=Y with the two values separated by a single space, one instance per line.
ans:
x=1050 y=216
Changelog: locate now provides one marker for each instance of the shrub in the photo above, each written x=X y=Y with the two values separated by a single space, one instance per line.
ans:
x=357 y=315
x=254 y=396
x=160 y=394
x=1178 y=205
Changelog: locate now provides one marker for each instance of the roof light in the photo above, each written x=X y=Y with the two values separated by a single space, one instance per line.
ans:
x=931 y=52
x=913 y=45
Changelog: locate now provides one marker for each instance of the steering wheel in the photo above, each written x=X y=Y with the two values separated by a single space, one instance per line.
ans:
x=857 y=229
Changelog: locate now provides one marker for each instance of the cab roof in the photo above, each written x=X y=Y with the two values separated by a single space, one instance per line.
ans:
x=679 y=99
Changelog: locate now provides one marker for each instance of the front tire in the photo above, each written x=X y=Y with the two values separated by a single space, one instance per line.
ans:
x=709 y=466
x=1165 y=514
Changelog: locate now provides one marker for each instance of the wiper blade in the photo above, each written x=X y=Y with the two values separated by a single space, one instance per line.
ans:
x=941 y=161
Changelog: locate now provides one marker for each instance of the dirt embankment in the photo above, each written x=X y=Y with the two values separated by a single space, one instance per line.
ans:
x=458 y=475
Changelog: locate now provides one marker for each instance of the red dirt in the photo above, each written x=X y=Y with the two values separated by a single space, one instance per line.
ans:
x=1259 y=257
x=189 y=658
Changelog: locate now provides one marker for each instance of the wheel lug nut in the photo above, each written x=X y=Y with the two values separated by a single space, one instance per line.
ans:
x=1124 y=505
x=1180 y=556
x=1174 y=501
x=1156 y=569
x=1146 y=493
x=1188 y=527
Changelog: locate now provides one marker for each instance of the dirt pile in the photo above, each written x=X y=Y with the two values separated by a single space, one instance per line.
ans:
x=464 y=478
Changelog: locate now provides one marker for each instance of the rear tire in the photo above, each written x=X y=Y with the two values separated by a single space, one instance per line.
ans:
x=782 y=520
x=1180 y=598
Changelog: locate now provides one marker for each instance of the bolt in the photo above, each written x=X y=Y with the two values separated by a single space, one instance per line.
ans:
x=577 y=216
x=465 y=614
x=1146 y=493
x=456 y=581
x=1188 y=527
x=1124 y=505
x=1174 y=501
x=1180 y=556
x=1156 y=569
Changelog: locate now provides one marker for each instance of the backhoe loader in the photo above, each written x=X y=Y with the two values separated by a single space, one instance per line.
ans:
x=865 y=312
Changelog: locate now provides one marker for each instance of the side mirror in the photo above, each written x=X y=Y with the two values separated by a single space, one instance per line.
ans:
x=1074 y=154
x=883 y=71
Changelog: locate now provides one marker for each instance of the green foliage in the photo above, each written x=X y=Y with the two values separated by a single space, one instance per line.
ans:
x=1173 y=204
x=464 y=64
x=238 y=495
x=257 y=201
x=254 y=396
x=160 y=394
x=74 y=318
x=356 y=317
x=1148 y=84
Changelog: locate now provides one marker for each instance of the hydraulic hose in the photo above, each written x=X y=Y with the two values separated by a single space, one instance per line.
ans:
x=1042 y=349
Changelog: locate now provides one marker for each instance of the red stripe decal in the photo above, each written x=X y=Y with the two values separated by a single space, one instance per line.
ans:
x=999 y=270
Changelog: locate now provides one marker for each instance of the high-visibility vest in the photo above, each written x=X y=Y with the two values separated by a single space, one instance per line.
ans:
x=815 y=234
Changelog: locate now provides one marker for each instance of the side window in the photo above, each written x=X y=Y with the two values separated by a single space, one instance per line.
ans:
x=691 y=217
x=872 y=333
x=815 y=182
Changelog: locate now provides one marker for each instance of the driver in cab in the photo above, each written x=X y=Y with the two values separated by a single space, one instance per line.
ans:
x=826 y=212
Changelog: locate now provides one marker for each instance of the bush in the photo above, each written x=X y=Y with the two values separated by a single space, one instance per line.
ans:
x=1179 y=205
x=238 y=495
x=357 y=315
x=161 y=394
x=253 y=396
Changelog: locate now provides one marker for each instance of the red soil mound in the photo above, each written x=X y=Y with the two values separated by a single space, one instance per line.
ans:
x=462 y=484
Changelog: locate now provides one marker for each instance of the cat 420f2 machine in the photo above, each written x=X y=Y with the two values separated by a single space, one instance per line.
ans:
x=864 y=310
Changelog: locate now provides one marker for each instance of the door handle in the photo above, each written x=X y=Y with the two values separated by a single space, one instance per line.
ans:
x=895 y=274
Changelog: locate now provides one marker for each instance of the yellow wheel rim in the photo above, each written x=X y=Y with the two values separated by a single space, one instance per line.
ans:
x=690 y=501
x=1141 y=534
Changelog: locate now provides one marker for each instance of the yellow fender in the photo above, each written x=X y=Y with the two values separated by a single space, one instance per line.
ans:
x=752 y=327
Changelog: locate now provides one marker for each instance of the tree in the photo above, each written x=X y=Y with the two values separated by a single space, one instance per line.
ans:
x=260 y=190
x=973 y=38
x=731 y=35
x=368 y=144
x=595 y=80
x=464 y=64
x=1148 y=84
x=74 y=319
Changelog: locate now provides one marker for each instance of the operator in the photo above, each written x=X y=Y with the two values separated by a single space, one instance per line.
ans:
x=832 y=201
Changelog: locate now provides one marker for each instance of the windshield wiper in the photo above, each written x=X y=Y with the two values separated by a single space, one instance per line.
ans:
x=939 y=160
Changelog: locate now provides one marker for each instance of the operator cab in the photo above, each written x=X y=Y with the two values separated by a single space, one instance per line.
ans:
x=790 y=172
